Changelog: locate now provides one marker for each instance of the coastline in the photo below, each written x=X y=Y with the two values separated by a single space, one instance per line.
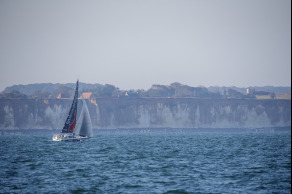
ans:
x=150 y=130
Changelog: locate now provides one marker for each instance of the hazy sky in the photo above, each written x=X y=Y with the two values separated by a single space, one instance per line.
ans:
x=133 y=43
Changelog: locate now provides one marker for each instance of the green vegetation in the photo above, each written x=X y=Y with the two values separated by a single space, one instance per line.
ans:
x=174 y=90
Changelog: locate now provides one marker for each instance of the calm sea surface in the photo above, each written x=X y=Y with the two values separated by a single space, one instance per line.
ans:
x=148 y=162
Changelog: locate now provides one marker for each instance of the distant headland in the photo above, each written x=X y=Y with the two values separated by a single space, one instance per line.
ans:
x=45 y=106
x=174 y=90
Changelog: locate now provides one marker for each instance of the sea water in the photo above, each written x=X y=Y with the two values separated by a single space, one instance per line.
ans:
x=148 y=162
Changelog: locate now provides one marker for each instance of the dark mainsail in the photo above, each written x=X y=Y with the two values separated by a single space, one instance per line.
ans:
x=71 y=119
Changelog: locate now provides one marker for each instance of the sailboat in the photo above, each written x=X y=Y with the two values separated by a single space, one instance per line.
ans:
x=72 y=131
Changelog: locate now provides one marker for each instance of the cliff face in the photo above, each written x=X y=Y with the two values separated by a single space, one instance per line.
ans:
x=147 y=113
x=192 y=113
x=33 y=114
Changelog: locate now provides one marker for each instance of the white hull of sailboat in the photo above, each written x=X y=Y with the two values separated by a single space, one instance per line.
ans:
x=58 y=137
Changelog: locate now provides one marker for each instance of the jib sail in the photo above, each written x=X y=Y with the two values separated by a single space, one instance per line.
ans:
x=84 y=126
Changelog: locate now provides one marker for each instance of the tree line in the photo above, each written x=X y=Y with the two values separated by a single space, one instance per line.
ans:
x=174 y=90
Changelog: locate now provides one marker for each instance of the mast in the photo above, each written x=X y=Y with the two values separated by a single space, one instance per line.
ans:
x=71 y=119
